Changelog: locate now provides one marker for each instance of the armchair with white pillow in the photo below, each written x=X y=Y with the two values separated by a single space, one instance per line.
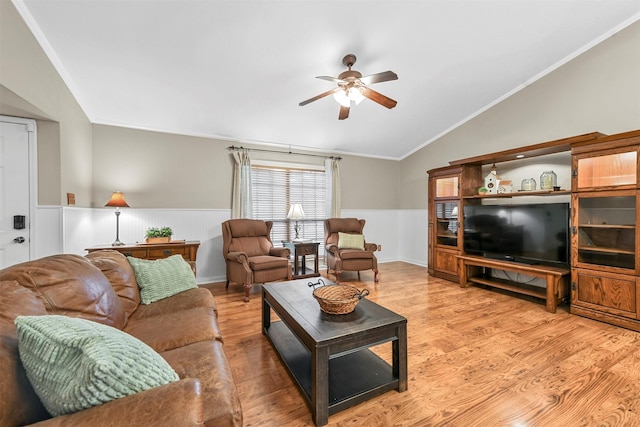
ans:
x=347 y=249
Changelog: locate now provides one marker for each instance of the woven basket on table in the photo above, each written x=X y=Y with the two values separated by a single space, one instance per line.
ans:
x=338 y=299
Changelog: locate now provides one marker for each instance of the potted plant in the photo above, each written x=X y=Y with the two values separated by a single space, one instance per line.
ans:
x=482 y=191
x=158 y=234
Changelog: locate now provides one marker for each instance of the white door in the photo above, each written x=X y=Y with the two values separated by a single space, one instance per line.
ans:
x=14 y=194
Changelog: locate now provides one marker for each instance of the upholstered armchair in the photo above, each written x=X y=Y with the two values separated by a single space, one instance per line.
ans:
x=346 y=248
x=250 y=255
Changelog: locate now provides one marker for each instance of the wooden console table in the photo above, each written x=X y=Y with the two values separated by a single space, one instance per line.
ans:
x=472 y=270
x=188 y=249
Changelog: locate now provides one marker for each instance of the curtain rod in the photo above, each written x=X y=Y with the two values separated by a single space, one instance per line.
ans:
x=232 y=147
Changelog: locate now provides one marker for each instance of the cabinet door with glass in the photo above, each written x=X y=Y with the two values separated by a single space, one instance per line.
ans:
x=607 y=169
x=444 y=206
x=446 y=214
x=604 y=230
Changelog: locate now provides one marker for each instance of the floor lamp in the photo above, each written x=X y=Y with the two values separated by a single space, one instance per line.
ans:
x=117 y=201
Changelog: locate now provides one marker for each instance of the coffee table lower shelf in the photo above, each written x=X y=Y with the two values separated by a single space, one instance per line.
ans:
x=354 y=376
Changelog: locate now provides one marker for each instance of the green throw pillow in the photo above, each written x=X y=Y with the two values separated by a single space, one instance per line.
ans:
x=162 y=278
x=350 y=241
x=74 y=364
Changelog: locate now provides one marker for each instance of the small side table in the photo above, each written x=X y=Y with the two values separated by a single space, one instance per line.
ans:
x=300 y=251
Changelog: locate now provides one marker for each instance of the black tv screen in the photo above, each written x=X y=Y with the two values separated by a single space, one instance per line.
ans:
x=528 y=233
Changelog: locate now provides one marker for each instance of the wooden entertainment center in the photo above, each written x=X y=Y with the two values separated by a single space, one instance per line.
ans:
x=603 y=189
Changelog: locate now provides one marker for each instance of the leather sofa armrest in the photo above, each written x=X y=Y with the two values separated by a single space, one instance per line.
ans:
x=174 y=404
x=280 y=252
x=371 y=247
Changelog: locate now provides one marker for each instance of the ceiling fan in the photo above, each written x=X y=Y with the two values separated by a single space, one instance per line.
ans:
x=352 y=88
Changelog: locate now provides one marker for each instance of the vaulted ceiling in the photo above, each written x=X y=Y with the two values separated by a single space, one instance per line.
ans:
x=236 y=70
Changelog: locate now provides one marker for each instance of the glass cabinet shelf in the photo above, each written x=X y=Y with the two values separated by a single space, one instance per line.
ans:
x=447 y=223
x=607 y=231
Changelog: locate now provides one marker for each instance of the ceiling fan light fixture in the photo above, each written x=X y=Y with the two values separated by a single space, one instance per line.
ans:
x=352 y=88
x=356 y=95
x=346 y=96
x=342 y=98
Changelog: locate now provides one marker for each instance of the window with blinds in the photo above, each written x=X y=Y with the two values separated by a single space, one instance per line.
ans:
x=274 y=189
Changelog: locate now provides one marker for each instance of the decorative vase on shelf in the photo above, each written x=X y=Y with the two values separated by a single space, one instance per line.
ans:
x=548 y=180
x=528 y=184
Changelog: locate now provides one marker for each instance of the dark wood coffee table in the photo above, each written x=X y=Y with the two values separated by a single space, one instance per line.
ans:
x=328 y=356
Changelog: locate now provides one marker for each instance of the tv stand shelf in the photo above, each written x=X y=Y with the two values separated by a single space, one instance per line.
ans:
x=472 y=270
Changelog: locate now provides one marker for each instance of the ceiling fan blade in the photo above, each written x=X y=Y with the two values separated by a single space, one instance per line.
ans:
x=344 y=112
x=331 y=79
x=378 y=97
x=379 y=77
x=322 y=95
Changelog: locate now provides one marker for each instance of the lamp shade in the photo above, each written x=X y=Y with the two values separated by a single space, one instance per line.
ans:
x=117 y=200
x=296 y=212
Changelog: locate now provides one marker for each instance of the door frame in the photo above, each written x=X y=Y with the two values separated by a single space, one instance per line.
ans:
x=33 y=175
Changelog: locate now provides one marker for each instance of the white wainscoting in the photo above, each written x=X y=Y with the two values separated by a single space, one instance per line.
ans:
x=78 y=227
x=187 y=224
x=413 y=230
x=46 y=232
x=401 y=233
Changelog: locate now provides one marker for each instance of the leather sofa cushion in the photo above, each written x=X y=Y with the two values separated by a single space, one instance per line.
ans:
x=267 y=262
x=186 y=300
x=70 y=285
x=175 y=404
x=172 y=330
x=19 y=404
x=116 y=268
x=221 y=402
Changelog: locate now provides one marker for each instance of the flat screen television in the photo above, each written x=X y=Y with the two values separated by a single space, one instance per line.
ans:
x=527 y=233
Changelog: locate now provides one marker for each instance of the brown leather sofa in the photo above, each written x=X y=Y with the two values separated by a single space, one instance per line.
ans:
x=348 y=259
x=102 y=287
x=250 y=255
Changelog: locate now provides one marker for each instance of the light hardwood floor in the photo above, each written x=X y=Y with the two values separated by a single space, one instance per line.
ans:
x=477 y=357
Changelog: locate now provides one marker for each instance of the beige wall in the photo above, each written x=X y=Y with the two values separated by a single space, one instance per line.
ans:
x=369 y=183
x=597 y=91
x=159 y=170
x=32 y=88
